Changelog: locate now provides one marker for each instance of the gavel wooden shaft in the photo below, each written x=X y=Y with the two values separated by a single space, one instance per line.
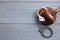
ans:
x=57 y=10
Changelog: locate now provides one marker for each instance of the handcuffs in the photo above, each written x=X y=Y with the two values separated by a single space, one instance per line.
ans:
x=47 y=16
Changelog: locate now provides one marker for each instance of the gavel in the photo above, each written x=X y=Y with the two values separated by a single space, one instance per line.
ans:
x=47 y=15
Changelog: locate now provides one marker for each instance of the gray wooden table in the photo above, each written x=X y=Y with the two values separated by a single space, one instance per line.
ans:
x=18 y=22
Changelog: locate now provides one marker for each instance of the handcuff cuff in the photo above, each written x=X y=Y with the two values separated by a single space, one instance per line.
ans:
x=42 y=33
x=50 y=17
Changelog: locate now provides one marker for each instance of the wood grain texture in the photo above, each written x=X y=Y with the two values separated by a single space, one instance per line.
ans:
x=22 y=12
x=18 y=19
x=31 y=1
x=26 y=32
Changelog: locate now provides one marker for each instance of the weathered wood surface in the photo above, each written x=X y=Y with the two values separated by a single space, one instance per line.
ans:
x=33 y=1
x=18 y=20
x=22 y=12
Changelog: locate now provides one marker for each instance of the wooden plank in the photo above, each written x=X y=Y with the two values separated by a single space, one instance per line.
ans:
x=30 y=1
x=26 y=32
x=22 y=12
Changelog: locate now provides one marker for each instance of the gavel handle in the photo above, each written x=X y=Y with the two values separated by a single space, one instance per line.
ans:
x=57 y=10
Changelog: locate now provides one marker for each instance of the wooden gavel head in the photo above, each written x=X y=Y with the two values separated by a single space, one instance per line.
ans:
x=49 y=15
